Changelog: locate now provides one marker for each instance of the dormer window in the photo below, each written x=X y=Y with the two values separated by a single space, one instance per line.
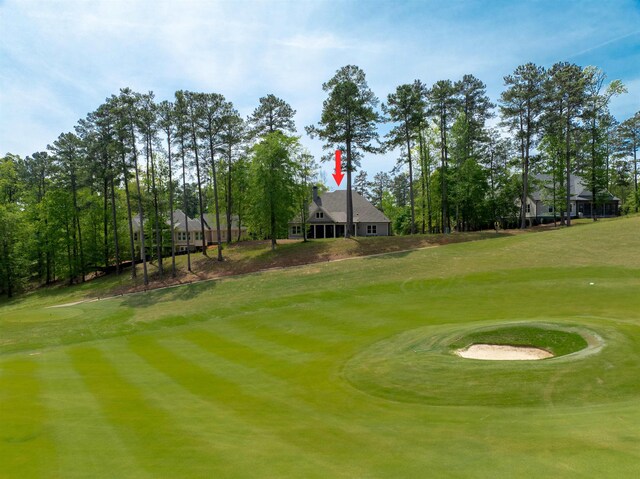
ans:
x=319 y=215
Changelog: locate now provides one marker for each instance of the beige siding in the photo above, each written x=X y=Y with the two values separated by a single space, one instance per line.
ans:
x=181 y=240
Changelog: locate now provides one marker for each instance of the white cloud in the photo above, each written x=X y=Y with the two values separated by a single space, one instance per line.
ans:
x=59 y=60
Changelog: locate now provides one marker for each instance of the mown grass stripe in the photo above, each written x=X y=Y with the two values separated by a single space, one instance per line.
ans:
x=246 y=336
x=27 y=448
x=243 y=448
x=264 y=411
x=302 y=390
x=160 y=446
x=87 y=442
x=241 y=353
x=253 y=378
x=288 y=335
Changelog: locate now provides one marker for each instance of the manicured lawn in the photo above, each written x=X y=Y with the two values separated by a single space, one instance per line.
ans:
x=336 y=369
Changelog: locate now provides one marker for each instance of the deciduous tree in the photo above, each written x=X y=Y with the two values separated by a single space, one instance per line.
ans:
x=272 y=179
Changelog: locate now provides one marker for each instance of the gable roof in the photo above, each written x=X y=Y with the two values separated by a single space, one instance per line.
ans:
x=180 y=219
x=334 y=205
x=578 y=189
x=210 y=220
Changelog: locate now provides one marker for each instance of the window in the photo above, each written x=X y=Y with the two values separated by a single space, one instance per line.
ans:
x=319 y=215
x=528 y=207
x=550 y=209
x=182 y=236
x=198 y=235
x=135 y=236
x=372 y=229
x=296 y=230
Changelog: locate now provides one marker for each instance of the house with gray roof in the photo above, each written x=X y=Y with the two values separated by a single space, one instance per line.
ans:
x=187 y=231
x=540 y=200
x=238 y=231
x=328 y=217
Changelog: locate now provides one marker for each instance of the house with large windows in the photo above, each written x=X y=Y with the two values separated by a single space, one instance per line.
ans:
x=540 y=201
x=187 y=232
x=327 y=217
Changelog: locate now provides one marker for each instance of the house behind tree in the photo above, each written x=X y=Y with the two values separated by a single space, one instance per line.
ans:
x=540 y=201
x=194 y=236
x=238 y=232
x=327 y=217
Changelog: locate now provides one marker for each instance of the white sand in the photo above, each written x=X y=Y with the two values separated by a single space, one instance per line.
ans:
x=494 y=352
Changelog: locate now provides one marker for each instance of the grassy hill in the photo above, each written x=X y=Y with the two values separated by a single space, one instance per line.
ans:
x=335 y=369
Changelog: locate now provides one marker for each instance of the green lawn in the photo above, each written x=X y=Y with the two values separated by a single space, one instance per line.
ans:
x=337 y=369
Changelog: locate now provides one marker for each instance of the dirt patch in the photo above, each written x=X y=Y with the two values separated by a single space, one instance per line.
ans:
x=495 y=352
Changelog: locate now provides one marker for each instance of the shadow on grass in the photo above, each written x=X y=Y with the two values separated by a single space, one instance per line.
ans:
x=184 y=292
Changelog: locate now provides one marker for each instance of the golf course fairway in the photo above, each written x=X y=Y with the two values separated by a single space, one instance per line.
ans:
x=340 y=370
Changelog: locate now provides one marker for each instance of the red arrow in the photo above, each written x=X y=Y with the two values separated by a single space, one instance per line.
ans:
x=338 y=175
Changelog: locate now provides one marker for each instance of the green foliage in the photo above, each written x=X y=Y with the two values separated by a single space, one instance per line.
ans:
x=349 y=116
x=78 y=199
x=406 y=107
x=628 y=145
x=272 y=114
x=15 y=231
x=272 y=185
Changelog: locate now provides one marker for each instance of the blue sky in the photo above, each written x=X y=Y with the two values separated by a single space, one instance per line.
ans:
x=60 y=60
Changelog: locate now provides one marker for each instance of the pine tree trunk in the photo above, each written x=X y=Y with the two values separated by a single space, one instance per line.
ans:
x=444 y=220
x=143 y=250
x=76 y=217
x=184 y=203
x=594 y=187
x=568 y=168
x=69 y=257
x=525 y=192
x=116 y=241
x=125 y=174
x=216 y=204
x=172 y=225
x=423 y=228
x=554 y=198
x=105 y=219
x=229 y=197
x=349 y=229
x=157 y=226
x=635 y=171
x=48 y=259
x=411 y=198
x=197 y=161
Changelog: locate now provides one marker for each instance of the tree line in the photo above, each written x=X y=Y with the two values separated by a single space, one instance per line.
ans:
x=100 y=198
x=467 y=163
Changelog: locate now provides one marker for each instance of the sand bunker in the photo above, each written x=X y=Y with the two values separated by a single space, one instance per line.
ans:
x=495 y=352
